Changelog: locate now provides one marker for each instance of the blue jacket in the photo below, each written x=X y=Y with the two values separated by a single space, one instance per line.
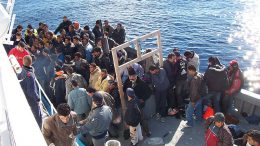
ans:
x=79 y=100
x=29 y=86
x=160 y=81
x=98 y=121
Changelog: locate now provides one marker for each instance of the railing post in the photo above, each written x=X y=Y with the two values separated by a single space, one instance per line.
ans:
x=119 y=80
x=159 y=44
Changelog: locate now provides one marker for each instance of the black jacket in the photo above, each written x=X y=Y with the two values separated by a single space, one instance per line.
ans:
x=63 y=25
x=96 y=31
x=29 y=87
x=119 y=36
x=104 y=62
x=132 y=114
x=169 y=68
x=216 y=78
x=180 y=69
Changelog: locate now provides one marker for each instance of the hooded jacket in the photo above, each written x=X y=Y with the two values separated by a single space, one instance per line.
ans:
x=216 y=78
x=94 y=77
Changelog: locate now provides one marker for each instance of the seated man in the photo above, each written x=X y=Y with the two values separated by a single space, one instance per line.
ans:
x=60 y=129
x=217 y=132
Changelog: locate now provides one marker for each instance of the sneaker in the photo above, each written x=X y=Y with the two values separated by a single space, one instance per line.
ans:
x=187 y=126
x=162 y=119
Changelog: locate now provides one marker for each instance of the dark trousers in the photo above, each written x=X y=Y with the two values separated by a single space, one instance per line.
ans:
x=180 y=91
x=160 y=99
x=36 y=110
x=144 y=122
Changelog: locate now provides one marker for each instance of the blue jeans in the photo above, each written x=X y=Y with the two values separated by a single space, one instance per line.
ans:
x=197 y=109
x=214 y=98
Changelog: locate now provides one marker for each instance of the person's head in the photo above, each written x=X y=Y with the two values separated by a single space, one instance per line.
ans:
x=71 y=28
x=69 y=70
x=96 y=52
x=67 y=40
x=45 y=27
x=76 y=40
x=192 y=70
x=74 y=83
x=76 y=25
x=106 y=22
x=91 y=91
x=20 y=46
x=63 y=32
x=119 y=26
x=153 y=69
x=98 y=23
x=33 y=49
x=99 y=42
x=59 y=39
x=253 y=137
x=85 y=39
x=130 y=93
x=213 y=60
x=86 y=28
x=97 y=99
x=18 y=36
x=177 y=54
x=176 y=49
x=112 y=84
x=103 y=73
x=77 y=56
x=171 y=57
x=63 y=110
x=132 y=74
x=27 y=60
x=65 y=18
x=233 y=65
x=29 y=27
x=219 y=119
x=92 y=67
x=41 y=24
x=188 y=54
x=19 y=28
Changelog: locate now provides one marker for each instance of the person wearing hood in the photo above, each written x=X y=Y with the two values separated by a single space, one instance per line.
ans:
x=94 y=74
x=192 y=58
x=236 y=81
x=97 y=30
x=217 y=131
x=58 y=85
x=29 y=87
x=216 y=80
x=77 y=27
x=133 y=117
x=63 y=25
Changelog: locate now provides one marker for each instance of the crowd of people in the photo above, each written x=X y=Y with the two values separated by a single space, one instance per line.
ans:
x=75 y=68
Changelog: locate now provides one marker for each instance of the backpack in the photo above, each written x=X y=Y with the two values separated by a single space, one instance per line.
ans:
x=203 y=89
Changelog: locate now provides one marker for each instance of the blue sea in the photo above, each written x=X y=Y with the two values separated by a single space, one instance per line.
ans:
x=229 y=29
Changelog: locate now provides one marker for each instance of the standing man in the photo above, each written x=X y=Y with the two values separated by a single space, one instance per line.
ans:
x=142 y=92
x=108 y=28
x=161 y=85
x=19 y=52
x=192 y=58
x=119 y=34
x=180 y=73
x=98 y=121
x=79 y=101
x=60 y=129
x=102 y=82
x=133 y=117
x=217 y=132
x=29 y=87
x=63 y=25
x=195 y=105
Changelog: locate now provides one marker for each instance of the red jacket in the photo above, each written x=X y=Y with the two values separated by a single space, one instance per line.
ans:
x=19 y=55
x=236 y=82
